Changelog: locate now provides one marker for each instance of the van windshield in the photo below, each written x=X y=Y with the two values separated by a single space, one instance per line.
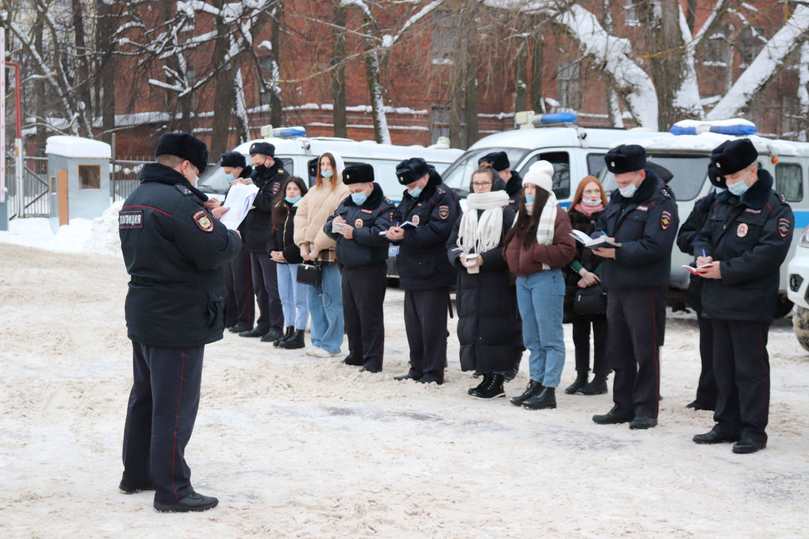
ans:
x=460 y=172
x=214 y=180
x=690 y=173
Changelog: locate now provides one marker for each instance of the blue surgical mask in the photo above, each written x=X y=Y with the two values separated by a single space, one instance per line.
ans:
x=359 y=198
x=415 y=192
x=529 y=200
x=230 y=177
x=738 y=188
x=326 y=174
x=628 y=191
x=293 y=200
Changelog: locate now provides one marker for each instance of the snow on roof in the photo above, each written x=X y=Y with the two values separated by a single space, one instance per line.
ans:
x=544 y=137
x=78 y=147
x=351 y=149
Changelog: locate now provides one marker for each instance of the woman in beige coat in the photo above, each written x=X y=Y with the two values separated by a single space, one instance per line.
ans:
x=326 y=300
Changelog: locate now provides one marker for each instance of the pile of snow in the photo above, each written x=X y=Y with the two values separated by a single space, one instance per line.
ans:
x=78 y=147
x=96 y=236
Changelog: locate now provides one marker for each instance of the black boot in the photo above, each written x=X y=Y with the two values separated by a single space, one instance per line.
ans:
x=239 y=328
x=598 y=386
x=295 y=342
x=288 y=332
x=546 y=399
x=481 y=385
x=492 y=390
x=411 y=375
x=580 y=382
x=272 y=335
x=613 y=417
x=533 y=388
x=192 y=502
x=255 y=332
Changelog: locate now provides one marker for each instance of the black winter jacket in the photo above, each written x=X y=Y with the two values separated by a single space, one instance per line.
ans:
x=257 y=225
x=367 y=247
x=174 y=251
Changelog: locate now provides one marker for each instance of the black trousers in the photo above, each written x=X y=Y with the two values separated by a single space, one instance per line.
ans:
x=742 y=370
x=581 y=340
x=240 y=306
x=425 y=314
x=637 y=322
x=265 y=285
x=160 y=417
x=363 y=300
x=706 y=388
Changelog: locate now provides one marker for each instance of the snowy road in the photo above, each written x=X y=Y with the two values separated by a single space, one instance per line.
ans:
x=303 y=447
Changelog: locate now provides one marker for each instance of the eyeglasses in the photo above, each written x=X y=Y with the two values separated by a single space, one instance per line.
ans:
x=481 y=184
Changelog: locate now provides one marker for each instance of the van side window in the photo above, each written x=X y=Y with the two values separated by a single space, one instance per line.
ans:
x=595 y=163
x=789 y=181
x=561 y=171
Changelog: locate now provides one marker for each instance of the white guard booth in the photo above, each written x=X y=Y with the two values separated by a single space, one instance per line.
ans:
x=79 y=177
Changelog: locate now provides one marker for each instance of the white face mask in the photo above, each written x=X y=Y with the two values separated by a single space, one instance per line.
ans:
x=591 y=202
x=326 y=174
x=628 y=191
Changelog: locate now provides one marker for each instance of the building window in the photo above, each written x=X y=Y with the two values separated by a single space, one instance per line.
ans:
x=751 y=41
x=445 y=37
x=439 y=123
x=89 y=177
x=789 y=181
x=631 y=13
x=569 y=85
x=717 y=50
x=561 y=171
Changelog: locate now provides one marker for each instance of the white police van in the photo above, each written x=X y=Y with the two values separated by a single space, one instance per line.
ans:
x=295 y=150
x=798 y=292
x=576 y=152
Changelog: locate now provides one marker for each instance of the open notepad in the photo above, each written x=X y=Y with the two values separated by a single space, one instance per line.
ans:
x=593 y=243
x=406 y=224
x=239 y=201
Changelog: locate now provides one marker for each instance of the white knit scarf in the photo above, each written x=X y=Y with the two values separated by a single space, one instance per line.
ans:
x=547 y=223
x=478 y=235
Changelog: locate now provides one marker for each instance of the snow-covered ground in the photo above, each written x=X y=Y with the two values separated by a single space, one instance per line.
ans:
x=303 y=447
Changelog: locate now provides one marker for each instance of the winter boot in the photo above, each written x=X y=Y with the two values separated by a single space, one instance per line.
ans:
x=492 y=390
x=546 y=399
x=483 y=383
x=598 y=386
x=532 y=389
x=274 y=334
x=575 y=387
x=288 y=332
x=295 y=341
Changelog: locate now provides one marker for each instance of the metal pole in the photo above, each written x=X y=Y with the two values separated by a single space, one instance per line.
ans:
x=18 y=150
x=3 y=201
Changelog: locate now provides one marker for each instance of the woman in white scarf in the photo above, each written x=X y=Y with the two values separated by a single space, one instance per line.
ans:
x=488 y=324
x=536 y=250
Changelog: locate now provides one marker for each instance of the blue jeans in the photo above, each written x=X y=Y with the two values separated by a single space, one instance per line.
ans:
x=540 y=298
x=294 y=296
x=326 y=308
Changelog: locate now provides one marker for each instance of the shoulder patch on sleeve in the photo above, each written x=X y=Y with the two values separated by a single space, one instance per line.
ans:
x=443 y=212
x=784 y=227
x=130 y=219
x=665 y=220
x=183 y=189
x=203 y=221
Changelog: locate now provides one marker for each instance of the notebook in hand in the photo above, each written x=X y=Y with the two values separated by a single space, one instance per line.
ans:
x=594 y=243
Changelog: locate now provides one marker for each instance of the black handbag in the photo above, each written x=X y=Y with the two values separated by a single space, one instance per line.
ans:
x=591 y=301
x=310 y=274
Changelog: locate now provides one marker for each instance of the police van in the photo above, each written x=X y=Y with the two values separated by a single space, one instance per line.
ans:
x=798 y=292
x=576 y=152
x=295 y=151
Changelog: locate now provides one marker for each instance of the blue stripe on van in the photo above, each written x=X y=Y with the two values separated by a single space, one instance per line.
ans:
x=801 y=218
x=564 y=204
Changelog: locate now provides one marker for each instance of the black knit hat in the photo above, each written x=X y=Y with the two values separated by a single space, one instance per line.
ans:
x=232 y=159
x=358 y=173
x=730 y=157
x=264 y=148
x=411 y=170
x=497 y=160
x=184 y=146
x=626 y=158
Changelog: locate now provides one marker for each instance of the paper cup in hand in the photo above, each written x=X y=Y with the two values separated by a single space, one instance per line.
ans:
x=474 y=268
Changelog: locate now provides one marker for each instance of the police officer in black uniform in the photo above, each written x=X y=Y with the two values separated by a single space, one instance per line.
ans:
x=642 y=216
x=358 y=225
x=425 y=273
x=511 y=178
x=174 y=249
x=745 y=240
x=269 y=176
x=240 y=306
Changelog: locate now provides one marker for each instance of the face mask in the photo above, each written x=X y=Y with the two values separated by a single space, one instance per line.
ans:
x=591 y=202
x=415 y=192
x=359 y=198
x=529 y=200
x=628 y=191
x=326 y=174
x=738 y=188
x=293 y=200
x=230 y=177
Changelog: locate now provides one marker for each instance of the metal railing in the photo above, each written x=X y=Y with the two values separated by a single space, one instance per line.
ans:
x=124 y=177
x=34 y=200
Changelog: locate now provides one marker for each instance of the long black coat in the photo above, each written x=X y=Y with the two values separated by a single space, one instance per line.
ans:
x=489 y=329
x=580 y=221
x=257 y=225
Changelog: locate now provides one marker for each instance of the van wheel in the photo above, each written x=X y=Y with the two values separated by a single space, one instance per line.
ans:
x=800 y=323
x=784 y=306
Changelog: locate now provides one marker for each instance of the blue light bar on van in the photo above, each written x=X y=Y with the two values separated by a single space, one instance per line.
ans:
x=736 y=128
x=556 y=118
x=289 y=132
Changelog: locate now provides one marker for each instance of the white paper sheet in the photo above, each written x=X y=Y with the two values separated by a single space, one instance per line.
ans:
x=239 y=201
